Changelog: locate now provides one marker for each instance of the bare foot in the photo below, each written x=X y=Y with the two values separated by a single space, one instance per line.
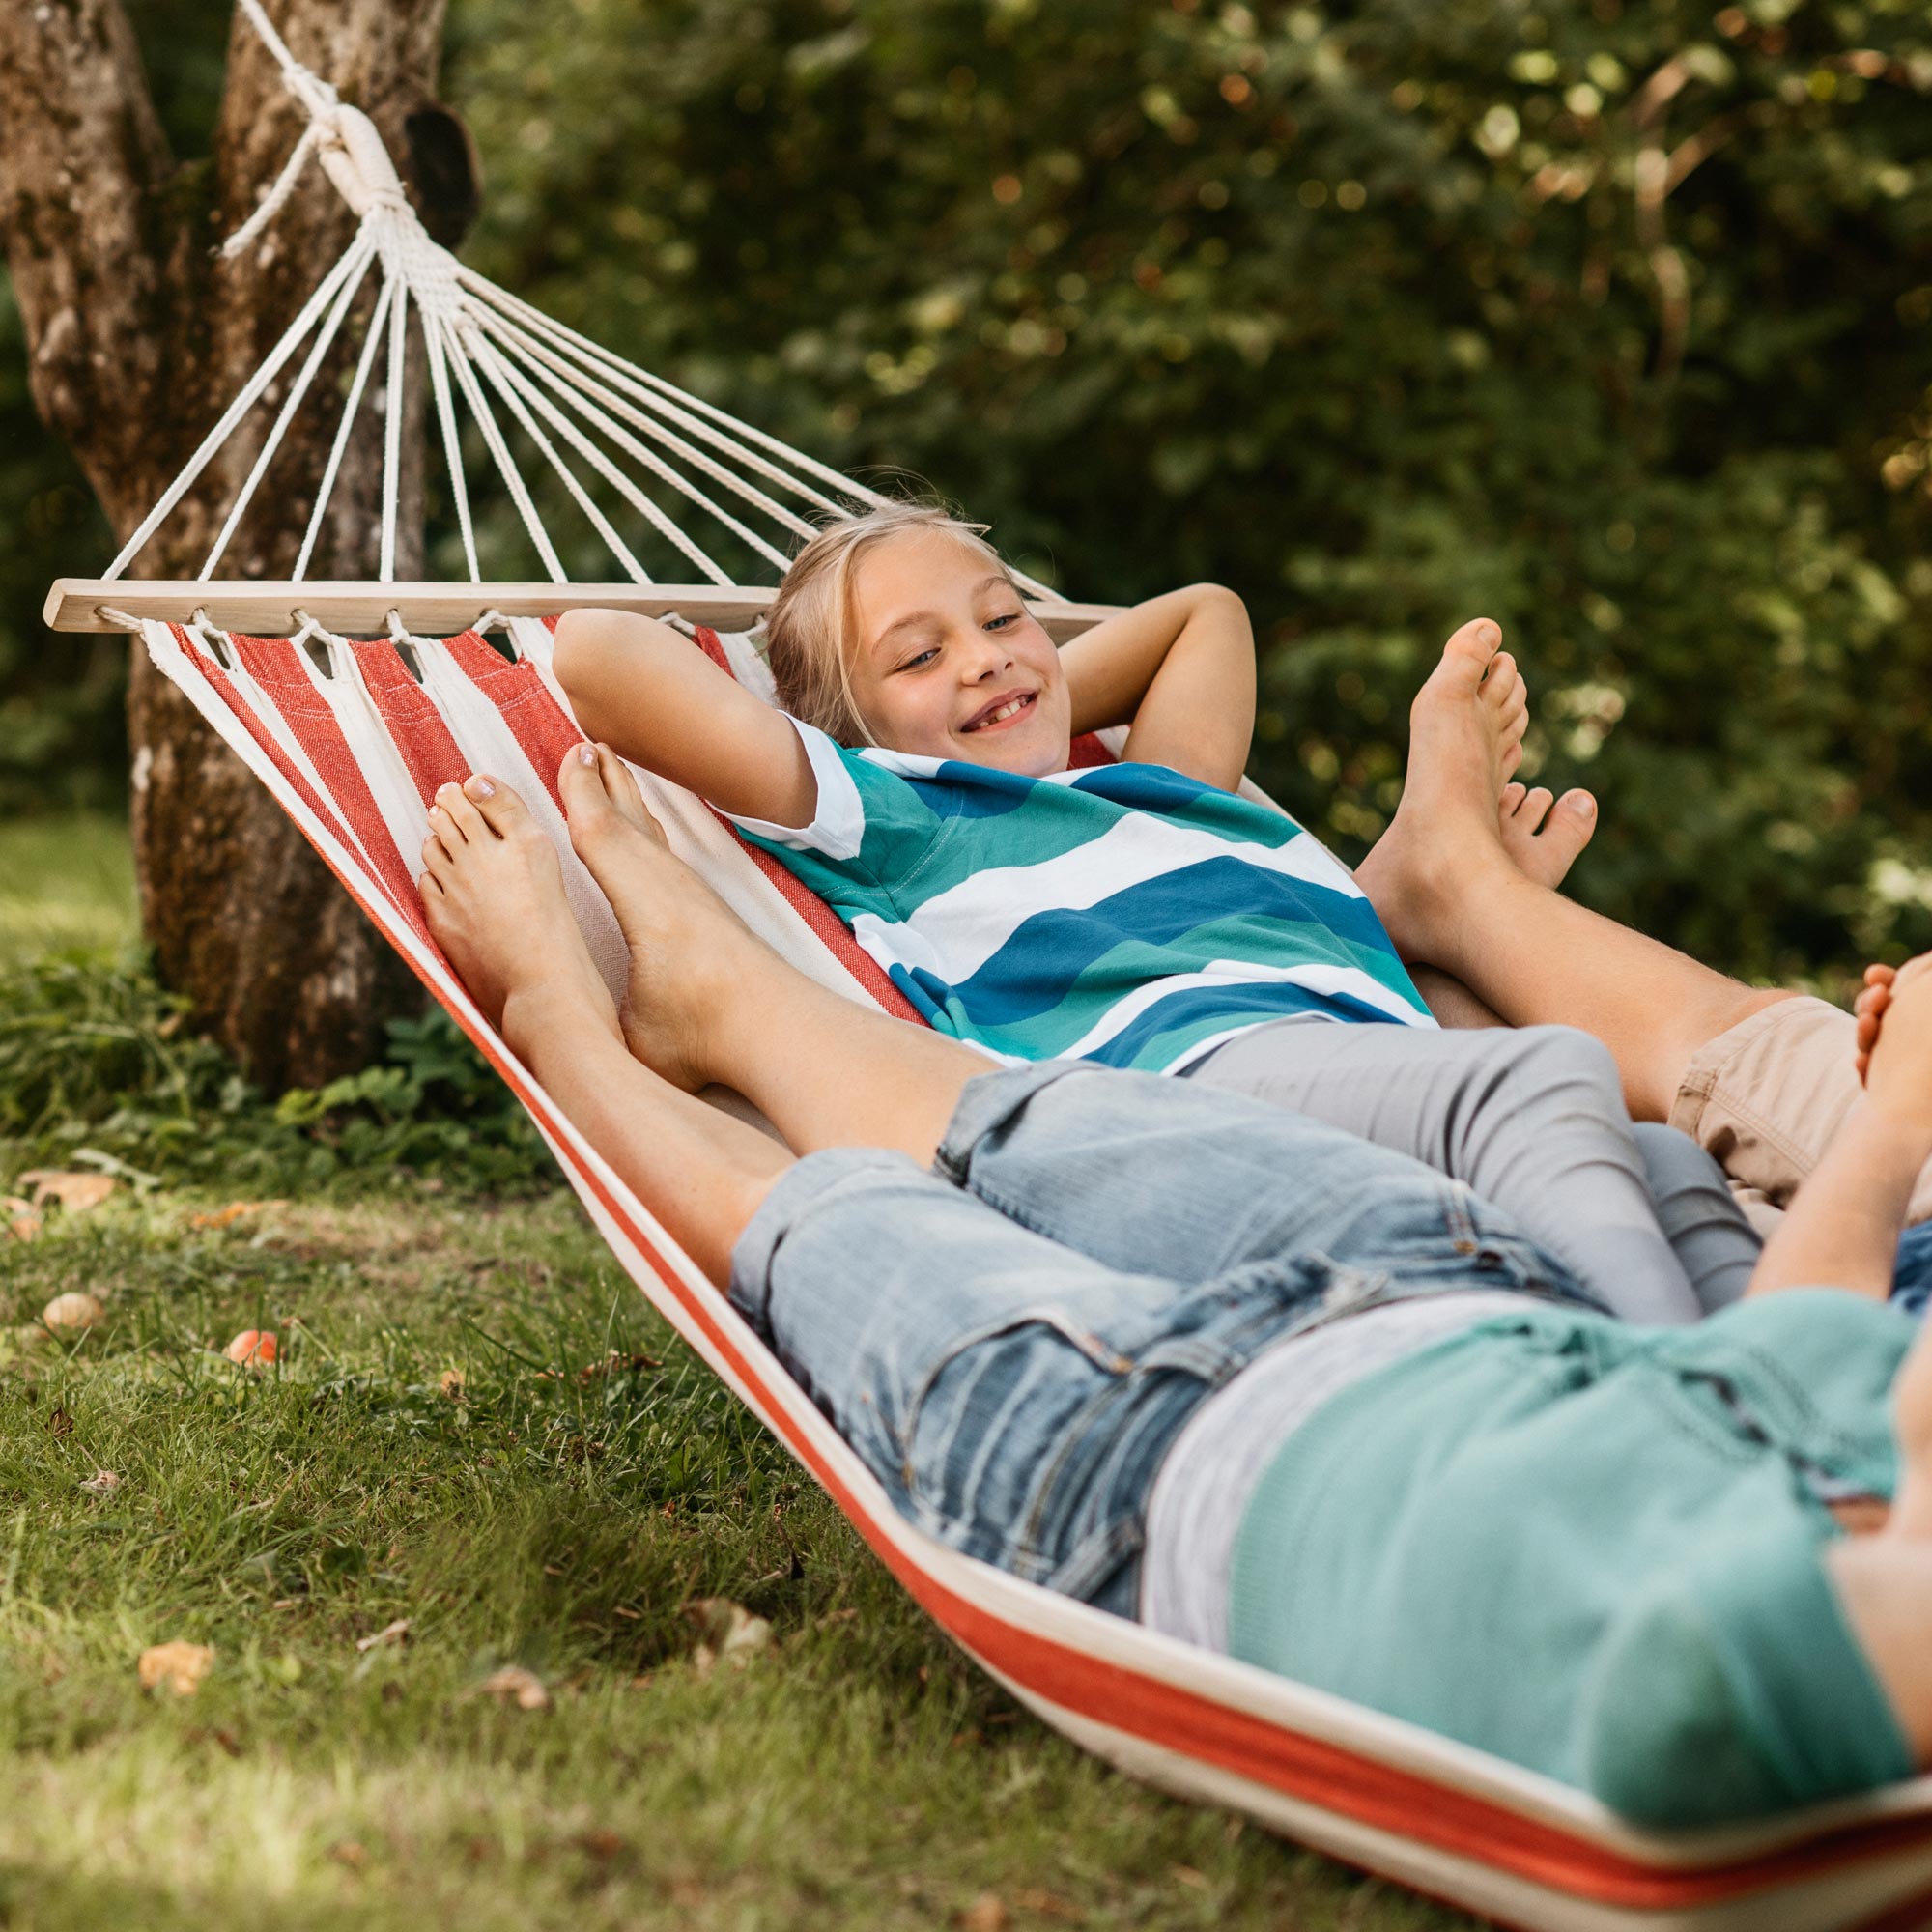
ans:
x=493 y=896
x=1465 y=737
x=1895 y=1040
x=685 y=946
x=1870 y=1010
x=1545 y=836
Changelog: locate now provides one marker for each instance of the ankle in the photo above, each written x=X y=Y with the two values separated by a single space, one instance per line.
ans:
x=1444 y=913
x=539 y=1017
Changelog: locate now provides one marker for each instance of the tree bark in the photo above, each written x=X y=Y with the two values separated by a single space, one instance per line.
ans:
x=138 y=334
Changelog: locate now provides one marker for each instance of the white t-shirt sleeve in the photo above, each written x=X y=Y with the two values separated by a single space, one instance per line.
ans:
x=837 y=827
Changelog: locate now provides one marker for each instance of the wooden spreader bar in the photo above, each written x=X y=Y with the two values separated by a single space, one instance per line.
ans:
x=268 y=610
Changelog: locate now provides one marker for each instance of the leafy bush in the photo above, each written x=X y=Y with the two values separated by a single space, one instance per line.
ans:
x=96 y=1069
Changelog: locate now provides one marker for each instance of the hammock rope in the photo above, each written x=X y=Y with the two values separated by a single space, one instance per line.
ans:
x=578 y=410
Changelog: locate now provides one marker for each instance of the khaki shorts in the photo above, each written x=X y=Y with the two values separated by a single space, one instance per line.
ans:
x=1765 y=1099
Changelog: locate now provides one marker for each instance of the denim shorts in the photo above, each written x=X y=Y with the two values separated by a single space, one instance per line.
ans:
x=1011 y=1340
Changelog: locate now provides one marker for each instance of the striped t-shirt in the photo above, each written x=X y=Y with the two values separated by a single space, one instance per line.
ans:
x=1124 y=914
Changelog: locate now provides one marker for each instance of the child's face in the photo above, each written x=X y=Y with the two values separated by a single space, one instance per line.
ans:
x=947 y=661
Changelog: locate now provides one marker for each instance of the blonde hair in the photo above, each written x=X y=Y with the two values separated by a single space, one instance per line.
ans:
x=807 y=632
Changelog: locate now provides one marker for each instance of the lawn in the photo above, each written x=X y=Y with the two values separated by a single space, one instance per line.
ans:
x=478 y=1451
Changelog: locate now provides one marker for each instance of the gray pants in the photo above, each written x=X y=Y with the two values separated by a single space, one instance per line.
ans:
x=1533 y=1119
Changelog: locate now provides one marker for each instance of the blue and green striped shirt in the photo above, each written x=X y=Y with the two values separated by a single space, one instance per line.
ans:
x=1124 y=914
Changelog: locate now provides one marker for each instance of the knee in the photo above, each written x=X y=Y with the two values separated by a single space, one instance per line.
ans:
x=1565 y=1060
x=1674 y=1165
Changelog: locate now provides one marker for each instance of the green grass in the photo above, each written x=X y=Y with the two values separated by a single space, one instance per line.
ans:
x=65 y=882
x=562 y=1510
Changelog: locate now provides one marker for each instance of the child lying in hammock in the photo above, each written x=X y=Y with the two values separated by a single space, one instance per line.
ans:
x=1271 y=1388
x=1145 y=915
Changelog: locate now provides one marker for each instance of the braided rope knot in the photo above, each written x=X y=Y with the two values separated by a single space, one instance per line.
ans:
x=356 y=161
x=353 y=156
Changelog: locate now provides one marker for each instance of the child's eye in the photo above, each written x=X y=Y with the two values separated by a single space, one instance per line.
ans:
x=1000 y=622
x=924 y=657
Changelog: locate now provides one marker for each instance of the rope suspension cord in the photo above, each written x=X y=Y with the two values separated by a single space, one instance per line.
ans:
x=597 y=425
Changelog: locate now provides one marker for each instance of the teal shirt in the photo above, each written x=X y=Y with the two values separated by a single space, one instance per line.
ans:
x=1125 y=914
x=1593 y=1550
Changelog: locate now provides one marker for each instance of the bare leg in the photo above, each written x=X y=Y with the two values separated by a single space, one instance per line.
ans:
x=1450 y=893
x=493 y=896
x=1451 y=1002
x=709 y=1002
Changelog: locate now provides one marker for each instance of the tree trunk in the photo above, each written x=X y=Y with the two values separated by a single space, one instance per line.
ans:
x=138 y=335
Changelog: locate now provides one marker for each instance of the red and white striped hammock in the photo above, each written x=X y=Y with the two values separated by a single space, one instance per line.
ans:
x=353 y=736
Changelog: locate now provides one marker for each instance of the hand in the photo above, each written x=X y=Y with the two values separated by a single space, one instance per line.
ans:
x=1896 y=1008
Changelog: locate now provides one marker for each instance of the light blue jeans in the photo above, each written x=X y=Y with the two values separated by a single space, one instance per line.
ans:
x=1013 y=1341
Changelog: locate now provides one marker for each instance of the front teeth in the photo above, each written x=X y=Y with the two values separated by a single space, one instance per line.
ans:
x=1006 y=710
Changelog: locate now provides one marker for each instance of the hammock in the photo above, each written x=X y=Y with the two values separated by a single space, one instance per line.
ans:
x=354 y=735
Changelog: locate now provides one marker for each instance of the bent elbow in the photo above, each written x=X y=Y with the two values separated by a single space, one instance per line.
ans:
x=1221 y=598
x=574 y=661
x=569 y=649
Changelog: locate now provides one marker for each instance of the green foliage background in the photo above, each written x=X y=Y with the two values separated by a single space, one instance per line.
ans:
x=1365 y=310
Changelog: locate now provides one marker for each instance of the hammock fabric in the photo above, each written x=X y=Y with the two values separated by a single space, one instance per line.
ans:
x=353 y=743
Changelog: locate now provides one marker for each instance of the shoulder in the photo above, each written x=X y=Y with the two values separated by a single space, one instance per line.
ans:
x=871 y=804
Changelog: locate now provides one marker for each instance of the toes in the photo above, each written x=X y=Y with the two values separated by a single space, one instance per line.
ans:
x=1881 y=976
x=496 y=805
x=1536 y=807
x=455 y=816
x=580 y=781
x=444 y=832
x=428 y=888
x=616 y=777
x=1468 y=652
x=1512 y=755
x=1504 y=681
x=622 y=784
x=438 y=853
x=1574 y=816
x=1513 y=796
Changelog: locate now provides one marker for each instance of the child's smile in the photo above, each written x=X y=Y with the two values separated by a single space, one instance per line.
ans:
x=1002 y=711
x=948 y=662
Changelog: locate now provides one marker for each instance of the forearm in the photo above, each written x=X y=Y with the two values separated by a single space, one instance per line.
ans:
x=1841 y=1229
x=654 y=698
x=1112 y=669
x=1179 y=669
x=628 y=678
